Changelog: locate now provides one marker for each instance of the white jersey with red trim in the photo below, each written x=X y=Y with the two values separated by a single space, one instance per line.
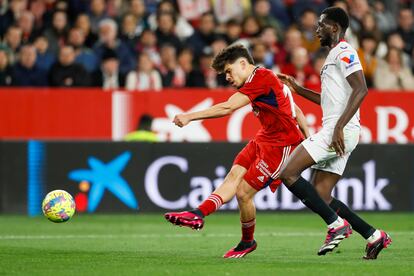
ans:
x=342 y=61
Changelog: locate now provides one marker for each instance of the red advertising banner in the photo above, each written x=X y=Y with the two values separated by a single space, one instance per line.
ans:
x=78 y=114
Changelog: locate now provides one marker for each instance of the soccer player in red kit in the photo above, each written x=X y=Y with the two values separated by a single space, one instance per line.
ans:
x=258 y=165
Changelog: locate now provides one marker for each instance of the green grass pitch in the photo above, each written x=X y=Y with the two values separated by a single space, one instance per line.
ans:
x=145 y=244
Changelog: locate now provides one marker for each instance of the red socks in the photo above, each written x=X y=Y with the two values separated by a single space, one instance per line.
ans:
x=248 y=230
x=211 y=204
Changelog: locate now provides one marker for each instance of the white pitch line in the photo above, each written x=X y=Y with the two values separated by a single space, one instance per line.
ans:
x=193 y=235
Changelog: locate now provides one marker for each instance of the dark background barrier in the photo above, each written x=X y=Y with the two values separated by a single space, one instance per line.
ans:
x=131 y=177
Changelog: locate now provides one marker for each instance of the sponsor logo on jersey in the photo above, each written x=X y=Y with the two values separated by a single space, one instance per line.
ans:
x=349 y=59
x=261 y=178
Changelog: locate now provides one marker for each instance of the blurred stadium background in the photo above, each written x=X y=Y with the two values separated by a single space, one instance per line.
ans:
x=88 y=90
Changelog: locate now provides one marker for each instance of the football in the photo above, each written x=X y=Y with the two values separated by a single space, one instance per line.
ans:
x=58 y=206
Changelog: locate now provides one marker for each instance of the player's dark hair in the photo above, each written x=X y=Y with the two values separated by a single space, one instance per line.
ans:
x=145 y=122
x=338 y=16
x=229 y=55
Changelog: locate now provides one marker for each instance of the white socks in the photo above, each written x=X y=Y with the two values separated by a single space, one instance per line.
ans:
x=375 y=236
x=337 y=223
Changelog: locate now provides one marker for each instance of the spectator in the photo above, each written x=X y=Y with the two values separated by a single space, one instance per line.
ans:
x=13 y=41
x=225 y=10
x=144 y=132
x=97 y=13
x=84 y=55
x=108 y=40
x=166 y=30
x=45 y=59
x=385 y=18
x=26 y=23
x=193 y=77
x=10 y=12
x=276 y=54
x=369 y=26
x=299 y=67
x=233 y=31
x=211 y=79
x=293 y=40
x=406 y=29
x=38 y=9
x=395 y=40
x=18 y=7
x=6 y=72
x=204 y=35
x=367 y=57
x=261 y=10
x=250 y=27
x=6 y=18
x=57 y=33
x=25 y=72
x=114 y=8
x=128 y=34
x=392 y=74
x=218 y=44
x=172 y=75
x=138 y=9
x=357 y=10
x=148 y=44
x=108 y=76
x=260 y=54
x=145 y=77
x=66 y=73
x=307 y=26
x=83 y=22
x=182 y=28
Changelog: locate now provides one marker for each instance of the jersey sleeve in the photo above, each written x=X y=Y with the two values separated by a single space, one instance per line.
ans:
x=348 y=62
x=257 y=86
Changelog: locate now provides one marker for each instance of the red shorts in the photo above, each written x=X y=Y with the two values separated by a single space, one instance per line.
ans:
x=263 y=164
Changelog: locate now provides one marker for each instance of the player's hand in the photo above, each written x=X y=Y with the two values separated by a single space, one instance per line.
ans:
x=338 y=142
x=289 y=81
x=181 y=120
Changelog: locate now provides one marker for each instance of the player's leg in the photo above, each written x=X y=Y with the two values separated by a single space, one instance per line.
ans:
x=290 y=175
x=324 y=183
x=338 y=228
x=262 y=173
x=245 y=194
x=224 y=193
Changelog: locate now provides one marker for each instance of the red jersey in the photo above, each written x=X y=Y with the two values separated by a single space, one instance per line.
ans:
x=275 y=108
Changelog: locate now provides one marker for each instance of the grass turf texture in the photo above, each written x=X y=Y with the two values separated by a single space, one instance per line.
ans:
x=145 y=244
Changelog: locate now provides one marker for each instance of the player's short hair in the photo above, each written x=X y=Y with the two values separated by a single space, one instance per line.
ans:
x=338 y=16
x=229 y=55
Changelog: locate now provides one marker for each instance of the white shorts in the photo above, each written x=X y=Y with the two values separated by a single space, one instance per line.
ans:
x=324 y=156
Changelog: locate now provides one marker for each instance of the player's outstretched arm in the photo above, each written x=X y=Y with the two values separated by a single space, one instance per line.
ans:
x=236 y=101
x=359 y=90
x=300 y=90
x=301 y=119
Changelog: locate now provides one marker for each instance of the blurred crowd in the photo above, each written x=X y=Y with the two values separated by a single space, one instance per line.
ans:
x=149 y=45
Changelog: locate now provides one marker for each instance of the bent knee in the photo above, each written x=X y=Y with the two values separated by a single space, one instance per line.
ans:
x=243 y=196
x=288 y=177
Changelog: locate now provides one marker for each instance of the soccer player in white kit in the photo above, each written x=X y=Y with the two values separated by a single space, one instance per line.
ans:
x=343 y=90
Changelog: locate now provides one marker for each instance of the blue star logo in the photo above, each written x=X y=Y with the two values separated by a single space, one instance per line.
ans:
x=106 y=176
